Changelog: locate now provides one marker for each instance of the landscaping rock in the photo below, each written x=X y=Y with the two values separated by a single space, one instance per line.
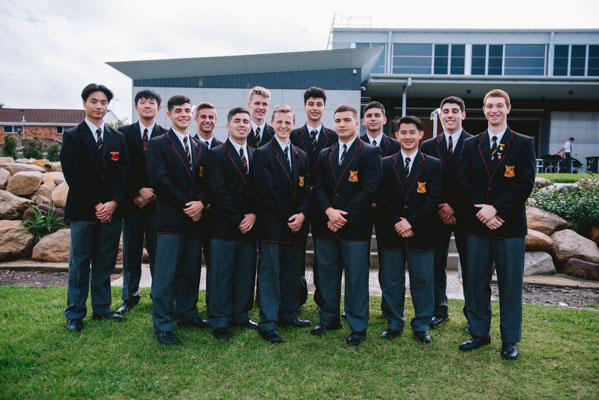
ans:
x=40 y=163
x=54 y=166
x=6 y=160
x=59 y=195
x=4 y=176
x=13 y=168
x=24 y=183
x=14 y=242
x=595 y=234
x=538 y=241
x=24 y=160
x=11 y=206
x=542 y=182
x=538 y=263
x=582 y=269
x=44 y=190
x=569 y=244
x=41 y=200
x=543 y=221
x=53 y=178
x=54 y=247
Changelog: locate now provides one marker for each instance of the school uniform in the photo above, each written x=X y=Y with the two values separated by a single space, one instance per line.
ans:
x=283 y=190
x=350 y=185
x=415 y=197
x=176 y=180
x=504 y=180
x=260 y=135
x=96 y=171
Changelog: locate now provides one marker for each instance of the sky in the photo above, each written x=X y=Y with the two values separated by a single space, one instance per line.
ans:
x=51 y=49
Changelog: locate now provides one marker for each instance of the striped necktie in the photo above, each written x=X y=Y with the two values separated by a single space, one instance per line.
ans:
x=407 y=167
x=343 y=154
x=450 y=147
x=187 y=152
x=258 y=137
x=314 y=141
x=493 y=148
x=144 y=139
x=286 y=151
x=99 y=138
x=244 y=160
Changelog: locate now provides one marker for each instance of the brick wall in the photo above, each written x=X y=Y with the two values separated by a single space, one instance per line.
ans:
x=47 y=134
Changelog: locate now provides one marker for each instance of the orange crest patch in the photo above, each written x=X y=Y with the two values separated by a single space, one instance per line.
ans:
x=421 y=187
x=201 y=171
x=353 y=176
x=301 y=181
x=510 y=171
x=114 y=155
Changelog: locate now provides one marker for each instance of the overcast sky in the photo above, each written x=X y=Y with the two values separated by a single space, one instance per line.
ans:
x=52 y=49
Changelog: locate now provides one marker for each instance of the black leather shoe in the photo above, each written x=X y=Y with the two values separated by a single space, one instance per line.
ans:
x=112 y=317
x=438 y=321
x=271 y=336
x=389 y=333
x=356 y=338
x=194 y=323
x=128 y=305
x=474 y=343
x=221 y=333
x=298 y=323
x=250 y=325
x=509 y=351
x=167 y=338
x=74 y=325
x=422 y=336
x=321 y=329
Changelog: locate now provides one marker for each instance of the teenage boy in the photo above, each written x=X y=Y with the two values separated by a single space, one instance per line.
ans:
x=233 y=238
x=206 y=118
x=374 y=120
x=259 y=104
x=409 y=199
x=452 y=205
x=176 y=169
x=311 y=138
x=347 y=178
x=496 y=174
x=95 y=163
x=283 y=187
x=139 y=202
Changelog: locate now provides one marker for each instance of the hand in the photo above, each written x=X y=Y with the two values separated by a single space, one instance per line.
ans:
x=486 y=212
x=147 y=194
x=495 y=223
x=336 y=217
x=373 y=206
x=295 y=222
x=193 y=209
x=332 y=227
x=247 y=223
x=104 y=210
x=408 y=234
x=140 y=202
x=450 y=220
x=402 y=226
x=445 y=211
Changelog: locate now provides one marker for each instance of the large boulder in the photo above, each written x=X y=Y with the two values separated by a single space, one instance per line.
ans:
x=54 y=247
x=569 y=244
x=39 y=163
x=595 y=234
x=538 y=241
x=43 y=195
x=11 y=206
x=543 y=221
x=538 y=263
x=15 y=167
x=582 y=269
x=54 y=166
x=4 y=176
x=24 y=183
x=8 y=160
x=14 y=241
x=59 y=195
x=53 y=178
x=542 y=182
x=24 y=160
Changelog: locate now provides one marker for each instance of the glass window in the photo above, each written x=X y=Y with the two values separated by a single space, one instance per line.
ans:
x=593 y=60
x=379 y=68
x=412 y=58
x=560 y=60
x=458 y=53
x=12 y=128
x=479 y=54
x=577 y=60
x=495 y=59
x=524 y=59
x=441 y=59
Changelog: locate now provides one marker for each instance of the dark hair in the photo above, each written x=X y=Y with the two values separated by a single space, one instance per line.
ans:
x=408 y=119
x=177 y=100
x=94 y=87
x=373 y=104
x=148 y=94
x=453 y=100
x=572 y=139
x=236 y=110
x=346 y=107
x=315 y=92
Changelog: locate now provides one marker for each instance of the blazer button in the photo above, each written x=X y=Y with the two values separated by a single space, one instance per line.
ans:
x=336 y=194
x=489 y=189
x=406 y=206
x=102 y=176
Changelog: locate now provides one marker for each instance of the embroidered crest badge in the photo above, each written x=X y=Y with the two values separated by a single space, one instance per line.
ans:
x=301 y=181
x=421 y=187
x=114 y=155
x=510 y=171
x=353 y=176
x=201 y=171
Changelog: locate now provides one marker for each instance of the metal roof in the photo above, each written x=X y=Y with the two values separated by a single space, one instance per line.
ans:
x=41 y=115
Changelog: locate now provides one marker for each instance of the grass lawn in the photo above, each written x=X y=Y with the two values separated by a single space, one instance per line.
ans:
x=40 y=359
x=566 y=178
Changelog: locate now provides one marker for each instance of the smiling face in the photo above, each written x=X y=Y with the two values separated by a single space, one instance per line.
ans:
x=451 y=117
x=206 y=120
x=96 y=106
x=181 y=116
x=283 y=123
x=314 y=109
x=258 y=106
x=496 y=111
x=239 y=127
x=346 y=125
x=374 y=120
x=147 y=109
x=409 y=137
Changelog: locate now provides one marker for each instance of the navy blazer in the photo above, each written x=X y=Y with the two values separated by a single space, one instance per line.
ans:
x=388 y=145
x=415 y=199
x=94 y=176
x=300 y=137
x=351 y=187
x=174 y=183
x=231 y=192
x=283 y=192
x=265 y=136
x=505 y=184
x=138 y=173
x=437 y=147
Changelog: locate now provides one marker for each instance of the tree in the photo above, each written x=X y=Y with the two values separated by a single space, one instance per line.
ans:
x=54 y=152
x=33 y=149
x=116 y=125
x=10 y=146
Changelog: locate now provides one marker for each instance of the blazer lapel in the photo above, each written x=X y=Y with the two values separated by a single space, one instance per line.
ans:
x=441 y=149
x=178 y=149
x=89 y=137
x=280 y=156
x=506 y=141
x=457 y=151
x=398 y=168
x=236 y=160
x=484 y=150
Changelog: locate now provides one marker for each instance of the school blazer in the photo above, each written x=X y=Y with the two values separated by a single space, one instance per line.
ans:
x=300 y=137
x=351 y=187
x=282 y=192
x=415 y=199
x=94 y=176
x=388 y=145
x=265 y=136
x=505 y=184
x=174 y=183
x=231 y=192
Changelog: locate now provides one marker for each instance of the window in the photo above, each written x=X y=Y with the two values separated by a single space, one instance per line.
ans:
x=495 y=59
x=593 y=60
x=560 y=60
x=12 y=128
x=458 y=53
x=577 y=60
x=479 y=55
x=441 y=59
x=61 y=129
x=524 y=59
x=412 y=58
x=379 y=68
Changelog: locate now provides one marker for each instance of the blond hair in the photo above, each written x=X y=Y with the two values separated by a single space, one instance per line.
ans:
x=497 y=93
x=283 y=108
x=260 y=91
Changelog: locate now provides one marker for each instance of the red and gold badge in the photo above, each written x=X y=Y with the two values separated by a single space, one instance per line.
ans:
x=421 y=187
x=510 y=171
x=353 y=176
x=114 y=155
x=301 y=181
x=201 y=171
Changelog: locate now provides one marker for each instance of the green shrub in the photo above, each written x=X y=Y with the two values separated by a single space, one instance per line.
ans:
x=54 y=152
x=42 y=220
x=33 y=149
x=10 y=146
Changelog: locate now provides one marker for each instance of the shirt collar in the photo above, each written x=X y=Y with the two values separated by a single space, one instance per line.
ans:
x=310 y=129
x=499 y=136
x=377 y=138
x=454 y=136
x=412 y=156
x=283 y=145
x=93 y=127
x=262 y=126
x=150 y=128
x=349 y=144
x=238 y=146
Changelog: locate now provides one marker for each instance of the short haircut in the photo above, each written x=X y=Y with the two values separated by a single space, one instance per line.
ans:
x=282 y=109
x=408 y=119
x=497 y=93
x=316 y=93
x=374 y=104
x=346 y=107
x=453 y=100
x=148 y=94
x=204 y=105
x=177 y=100
x=236 y=110
x=94 y=87
x=572 y=139
x=260 y=91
